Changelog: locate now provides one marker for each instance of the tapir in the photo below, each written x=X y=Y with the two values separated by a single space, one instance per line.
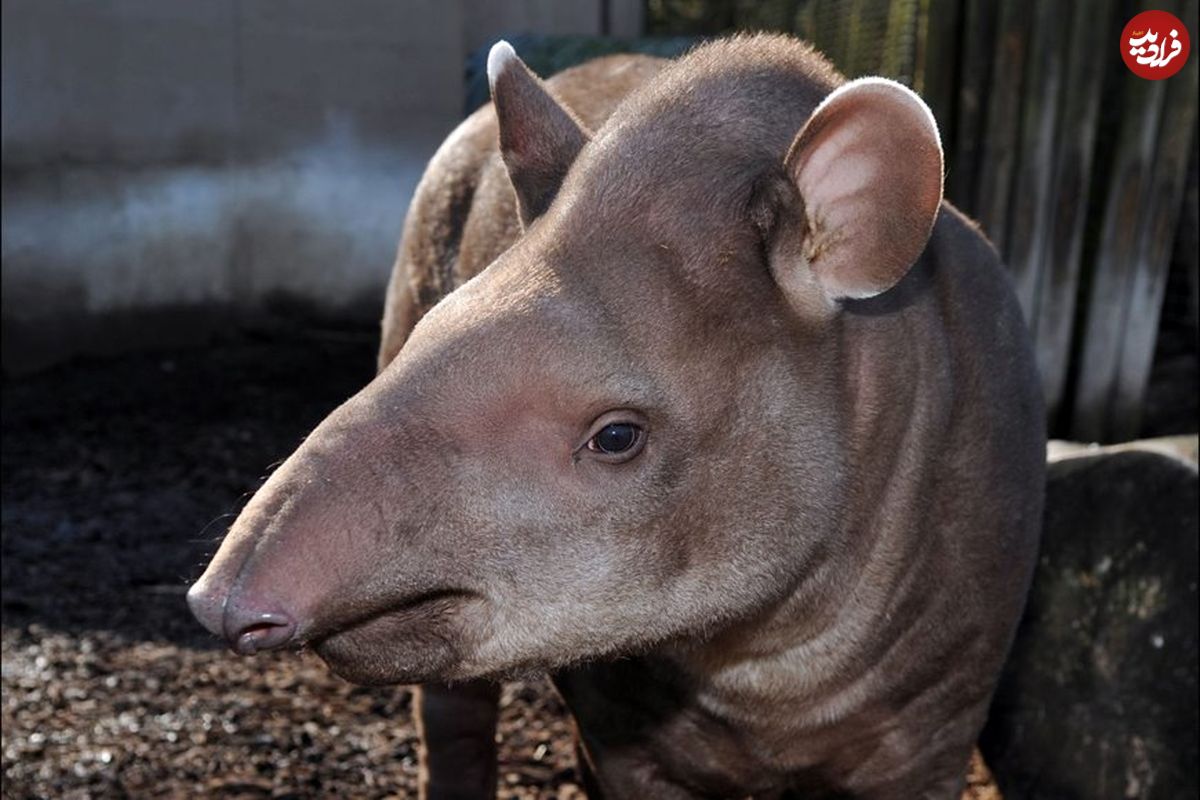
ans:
x=694 y=393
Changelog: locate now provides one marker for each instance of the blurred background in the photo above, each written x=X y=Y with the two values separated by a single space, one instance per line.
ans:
x=201 y=204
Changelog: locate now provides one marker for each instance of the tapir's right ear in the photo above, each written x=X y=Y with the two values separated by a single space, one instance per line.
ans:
x=539 y=137
x=865 y=175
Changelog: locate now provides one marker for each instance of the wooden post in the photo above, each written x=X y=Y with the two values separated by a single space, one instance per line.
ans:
x=1069 y=194
x=936 y=71
x=999 y=155
x=1160 y=216
x=974 y=87
x=1116 y=255
x=1029 y=211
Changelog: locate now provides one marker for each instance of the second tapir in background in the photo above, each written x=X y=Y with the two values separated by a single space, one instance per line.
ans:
x=738 y=434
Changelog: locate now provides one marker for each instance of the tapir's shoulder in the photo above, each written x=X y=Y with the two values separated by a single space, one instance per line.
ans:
x=955 y=233
x=983 y=326
x=968 y=269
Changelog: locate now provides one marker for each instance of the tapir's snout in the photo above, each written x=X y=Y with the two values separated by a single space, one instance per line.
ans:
x=329 y=554
x=236 y=599
x=248 y=625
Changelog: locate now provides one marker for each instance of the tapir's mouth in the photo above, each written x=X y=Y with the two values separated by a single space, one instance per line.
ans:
x=409 y=610
x=401 y=643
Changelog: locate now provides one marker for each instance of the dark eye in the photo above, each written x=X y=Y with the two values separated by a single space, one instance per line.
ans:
x=615 y=438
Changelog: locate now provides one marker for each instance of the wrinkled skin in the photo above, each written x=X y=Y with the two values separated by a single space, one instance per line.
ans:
x=812 y=559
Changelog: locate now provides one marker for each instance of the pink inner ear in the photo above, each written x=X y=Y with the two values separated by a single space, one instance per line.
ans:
x=869 y=167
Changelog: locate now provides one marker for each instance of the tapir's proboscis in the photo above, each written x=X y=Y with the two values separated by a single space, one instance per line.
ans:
x=694 y=393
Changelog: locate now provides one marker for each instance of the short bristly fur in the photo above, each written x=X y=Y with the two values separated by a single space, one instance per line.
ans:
x=807 y=577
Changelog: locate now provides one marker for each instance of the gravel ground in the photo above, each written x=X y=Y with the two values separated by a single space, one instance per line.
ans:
x=118 y=477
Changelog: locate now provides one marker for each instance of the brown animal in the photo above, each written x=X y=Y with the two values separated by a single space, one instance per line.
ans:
x=738 y=434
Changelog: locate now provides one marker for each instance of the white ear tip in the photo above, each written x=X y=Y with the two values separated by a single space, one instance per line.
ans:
x=499 y=57
x=912 y=97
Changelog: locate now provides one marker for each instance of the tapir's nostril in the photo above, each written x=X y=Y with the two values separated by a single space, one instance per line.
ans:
x=248 y=624
x=251 y=631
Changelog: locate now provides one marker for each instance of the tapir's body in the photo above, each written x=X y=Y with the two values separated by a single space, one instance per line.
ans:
x=791 y=556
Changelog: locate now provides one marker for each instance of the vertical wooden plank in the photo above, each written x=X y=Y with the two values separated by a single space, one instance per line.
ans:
x=806 y=26
x=1160 y=216
x=978 y=44
x=1126 y=195
x=999 y=157
x=898 y=58
x=1188 y=246
x=863 y=37
x=822 y=24
x=1029 y=210
x=832 y=28
x=856 y=45
x=936 y=68
x=778 y=15
x=1069 y=192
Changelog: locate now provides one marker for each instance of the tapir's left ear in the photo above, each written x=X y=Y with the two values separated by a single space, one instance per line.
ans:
x=539 y=137
x=868 y=170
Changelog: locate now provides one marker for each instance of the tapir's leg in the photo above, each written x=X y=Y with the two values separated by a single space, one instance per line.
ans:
x=587 y=775
x=458 y=734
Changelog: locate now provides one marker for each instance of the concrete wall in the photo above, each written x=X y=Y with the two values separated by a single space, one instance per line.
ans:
x=484 y=20
x=167 y=163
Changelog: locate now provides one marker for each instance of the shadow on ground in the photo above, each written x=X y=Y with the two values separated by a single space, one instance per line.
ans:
x=120 y=476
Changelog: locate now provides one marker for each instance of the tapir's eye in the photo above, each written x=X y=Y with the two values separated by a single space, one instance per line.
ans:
x=617 y=436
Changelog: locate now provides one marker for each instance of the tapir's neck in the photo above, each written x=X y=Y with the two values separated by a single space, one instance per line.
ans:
x=821 y=640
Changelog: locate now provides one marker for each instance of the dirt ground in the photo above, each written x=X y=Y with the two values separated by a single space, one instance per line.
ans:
x=119 y=476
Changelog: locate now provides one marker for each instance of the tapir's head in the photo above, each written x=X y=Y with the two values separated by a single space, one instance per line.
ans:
x=628 y=428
